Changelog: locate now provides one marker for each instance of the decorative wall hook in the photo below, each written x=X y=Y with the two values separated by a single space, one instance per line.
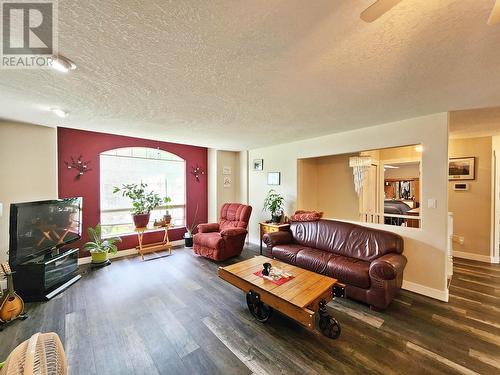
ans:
x=197 y=172
x=78 y=164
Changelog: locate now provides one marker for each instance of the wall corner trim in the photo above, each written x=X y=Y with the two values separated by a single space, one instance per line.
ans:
x=476 y=257
x=441 y=295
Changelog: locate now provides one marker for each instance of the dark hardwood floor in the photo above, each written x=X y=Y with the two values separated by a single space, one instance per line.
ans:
x=173 y=315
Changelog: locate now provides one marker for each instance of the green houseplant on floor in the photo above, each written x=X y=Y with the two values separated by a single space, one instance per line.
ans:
x=100 y=248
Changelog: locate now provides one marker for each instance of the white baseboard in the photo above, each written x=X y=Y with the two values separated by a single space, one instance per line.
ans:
x=124 y=253
x=441 y=295
x=477 y=257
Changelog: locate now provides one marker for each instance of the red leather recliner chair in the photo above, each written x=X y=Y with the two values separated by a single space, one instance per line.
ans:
x=225 y=239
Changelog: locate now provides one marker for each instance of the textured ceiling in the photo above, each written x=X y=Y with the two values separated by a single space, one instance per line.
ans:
x=243 y=74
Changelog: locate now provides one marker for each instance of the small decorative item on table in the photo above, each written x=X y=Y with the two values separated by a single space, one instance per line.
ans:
x=274 y=274
x=267 y=268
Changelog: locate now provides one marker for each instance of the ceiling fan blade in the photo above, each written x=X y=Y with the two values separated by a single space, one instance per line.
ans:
x=378 y=8
x=495 y=14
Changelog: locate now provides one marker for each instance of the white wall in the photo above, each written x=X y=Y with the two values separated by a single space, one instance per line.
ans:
x=243 y=169
x=212 y=185
x=219 y=194
x=425 y=248
x=28 y=169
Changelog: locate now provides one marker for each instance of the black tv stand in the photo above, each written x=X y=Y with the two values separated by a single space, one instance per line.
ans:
x=42 y=278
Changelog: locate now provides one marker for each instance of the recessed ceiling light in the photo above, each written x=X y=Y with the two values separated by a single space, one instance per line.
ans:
x=59 y=112
x=62 y=64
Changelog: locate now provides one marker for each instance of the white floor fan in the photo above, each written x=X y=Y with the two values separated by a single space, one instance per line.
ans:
x=380 y=7
x=42 y=354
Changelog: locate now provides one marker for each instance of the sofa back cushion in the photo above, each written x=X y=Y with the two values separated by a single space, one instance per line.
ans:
x=234 y=215
x=346 y=239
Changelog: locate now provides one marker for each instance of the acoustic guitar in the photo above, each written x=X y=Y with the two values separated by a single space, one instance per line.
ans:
x=12 y=306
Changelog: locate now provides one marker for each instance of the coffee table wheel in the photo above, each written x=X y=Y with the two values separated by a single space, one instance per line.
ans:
x=329 y=326
x=258 y=309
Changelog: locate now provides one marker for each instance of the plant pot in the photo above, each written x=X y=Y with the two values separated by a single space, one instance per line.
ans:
x=167 y=218
x=276 y=219
x=141 y=220
x=99 y=257
x=188 y=241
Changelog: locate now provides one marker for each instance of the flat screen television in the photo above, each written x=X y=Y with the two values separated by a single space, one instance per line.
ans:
x=38 y=228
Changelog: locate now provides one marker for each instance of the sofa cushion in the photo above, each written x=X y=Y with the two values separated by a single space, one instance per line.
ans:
x=306 y=216
x=212 y=240
x=313 y=259
x=346 y=239
x=349 y=270
x=234 y=215
x=287 y=253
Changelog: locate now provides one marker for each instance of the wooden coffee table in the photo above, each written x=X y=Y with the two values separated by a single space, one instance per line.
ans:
x=303 y=298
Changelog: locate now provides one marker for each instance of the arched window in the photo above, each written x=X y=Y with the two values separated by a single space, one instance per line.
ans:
x=164 y=172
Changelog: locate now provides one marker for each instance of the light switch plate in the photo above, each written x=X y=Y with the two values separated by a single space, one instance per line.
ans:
x=431 y=203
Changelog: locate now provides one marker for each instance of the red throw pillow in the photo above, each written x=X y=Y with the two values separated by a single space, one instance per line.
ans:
x=306 y=216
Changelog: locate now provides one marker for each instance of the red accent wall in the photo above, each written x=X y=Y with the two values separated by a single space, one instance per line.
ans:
x=73 y=143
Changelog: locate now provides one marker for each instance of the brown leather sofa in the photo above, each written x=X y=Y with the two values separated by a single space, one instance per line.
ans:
x=225 y=239
x=369 y=261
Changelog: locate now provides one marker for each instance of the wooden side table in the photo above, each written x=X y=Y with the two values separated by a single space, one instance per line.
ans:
x=270 y=228
x=153 y=247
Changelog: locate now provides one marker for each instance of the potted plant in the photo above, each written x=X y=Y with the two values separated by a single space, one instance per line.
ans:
x=274 y=204
x=143 y=202
x=188 y=236
x=167 y=218
x=100 y=248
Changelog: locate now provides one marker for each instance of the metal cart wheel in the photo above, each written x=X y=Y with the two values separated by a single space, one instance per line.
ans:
x=258 y=309
x=329 y=327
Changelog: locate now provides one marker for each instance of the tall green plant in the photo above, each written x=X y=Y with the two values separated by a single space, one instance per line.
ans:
x=143 y=202
x=99 y=245
x=274 y=202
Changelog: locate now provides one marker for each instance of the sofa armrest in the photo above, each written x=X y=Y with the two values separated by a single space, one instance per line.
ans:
x=230 y=232
x=209 y=227
x=277 y=238
x=387 y=267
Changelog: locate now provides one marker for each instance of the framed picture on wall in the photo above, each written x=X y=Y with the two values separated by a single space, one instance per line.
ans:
x=274 y=178
x=461 y=168
x=258 y=164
